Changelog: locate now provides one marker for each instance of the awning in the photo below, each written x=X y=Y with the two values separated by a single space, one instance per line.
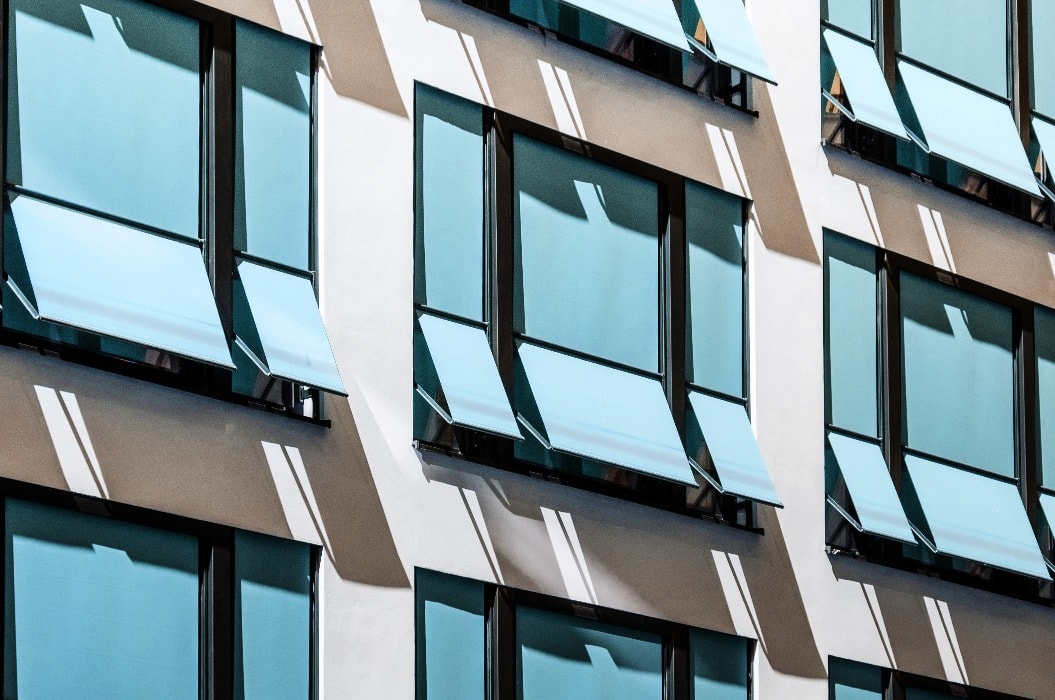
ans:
x=472 y=388
x=974 y=517
x=656 y=19
x=871 y=491
x=595 y=411
x=733 y=448
x=862 y=79
x=967 y=127
x=114 y=280
x=292 y=340
x=1045 y=133
x=731 y=38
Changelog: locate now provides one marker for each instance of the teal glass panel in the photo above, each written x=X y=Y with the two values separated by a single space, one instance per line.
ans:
x=849 y=680
x=289 y=326
x=272 y=186
x=851 y=15
x=1042 y=65
x=966 y=127
x=731 y=37
x=867 y=480
x=959 y=375
x=602 y=413
x=714 y=228
x=586 y=255
x=1044 y=328
x=113 y=280
x=104 y=108
x=97 y=608
x=732 y=448
x=1047 y=507
x=719 y=665
x=656 y=19
x=851 y=309
x=862 y=79
x=560 y=657
x=973 y=516
x=449 y=255
x=472 y=388
x=964 y=38
x=272 y=620
x=450 y=654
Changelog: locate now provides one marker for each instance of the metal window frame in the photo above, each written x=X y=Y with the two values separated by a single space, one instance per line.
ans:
x=895 y=683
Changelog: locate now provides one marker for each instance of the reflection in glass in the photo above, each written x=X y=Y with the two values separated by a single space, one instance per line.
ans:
x=1042 y=65
x=849 y=680
x=719 y=665
x=450 y=637
x=852 y=15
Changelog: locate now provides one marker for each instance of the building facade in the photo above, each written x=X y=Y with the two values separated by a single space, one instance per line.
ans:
x=523 y=348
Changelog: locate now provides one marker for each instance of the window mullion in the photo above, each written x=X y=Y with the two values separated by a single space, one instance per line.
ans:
x=886 y=35
x=674 y=268
x=1020 y=64
x=500 y=647
x=676 y=669
x=217 y=617
x=218 y=175
x=890 y=332
x=1026 y=411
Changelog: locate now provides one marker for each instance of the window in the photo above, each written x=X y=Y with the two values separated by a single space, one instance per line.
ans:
x=932 y=452
x=947 y=94
x=542 y=647
x=580 y=317
x=707 y=46
x=185 y=258
x=851 y=680
x=138 y=604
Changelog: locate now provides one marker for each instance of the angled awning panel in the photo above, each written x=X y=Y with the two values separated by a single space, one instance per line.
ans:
x=1047 y=506
x=656 y=19
x=289 y=326
x=975 y=517
x=606 y=414
x=471 y=384
x=732 y=38
x=1045 y=133
x=733 y=448
x=862 y=79
x=868 y=482
x=114 y=280
x=968 y=128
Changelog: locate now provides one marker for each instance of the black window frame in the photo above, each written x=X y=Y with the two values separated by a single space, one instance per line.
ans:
x=499 y=129
x=841 y=539
x=216 y=206
x=896 y=683
x=718 y=82
x=216 y=579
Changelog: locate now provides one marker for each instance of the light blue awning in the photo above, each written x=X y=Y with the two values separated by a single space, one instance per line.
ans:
x=1045 y=133
x=862 y=78
x=289 y=325
x=656 y=19
x=975 y=517
x=731 y=37
x=872 y=492
x=471 y=385
x=968 y=128
x=106 y=278
x=602 y=413
x=733 y=448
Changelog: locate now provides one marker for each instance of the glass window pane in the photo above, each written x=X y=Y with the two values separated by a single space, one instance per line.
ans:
x=852 y=15
x=449 y=270
x=852 y=342
x=98 y=608
x=560 y=657
x=959 y=378
x=272 y=617
x=92 y=86
x=450 y=637
x=1044 y=326
x=715 y=304
x=656 y=19
x=272 y=184
x=586 y=255
x=1042 y=67
x=849 y=680
x=719 y=665
x=964 y=38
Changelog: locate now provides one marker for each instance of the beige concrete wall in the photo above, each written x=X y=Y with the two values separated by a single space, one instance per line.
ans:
x=380 y=508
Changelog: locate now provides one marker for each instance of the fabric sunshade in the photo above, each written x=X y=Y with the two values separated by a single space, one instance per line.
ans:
x=862 y=78
x=975 y=517
x=868 y=482
x=471 y=385
x=733 y=448
x=656 y=19
x=602 y=413
x=114 y=280
x=731 y=37
x=968 y=128
x=289 y=327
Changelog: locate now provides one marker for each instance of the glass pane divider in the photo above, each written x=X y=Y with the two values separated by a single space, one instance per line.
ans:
x=588 y=357
x=854 y=434
x=742 y=400
x=431 y=311
x=825 y=24
x=288 y=269
x=980 y=471
x=953 y=79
